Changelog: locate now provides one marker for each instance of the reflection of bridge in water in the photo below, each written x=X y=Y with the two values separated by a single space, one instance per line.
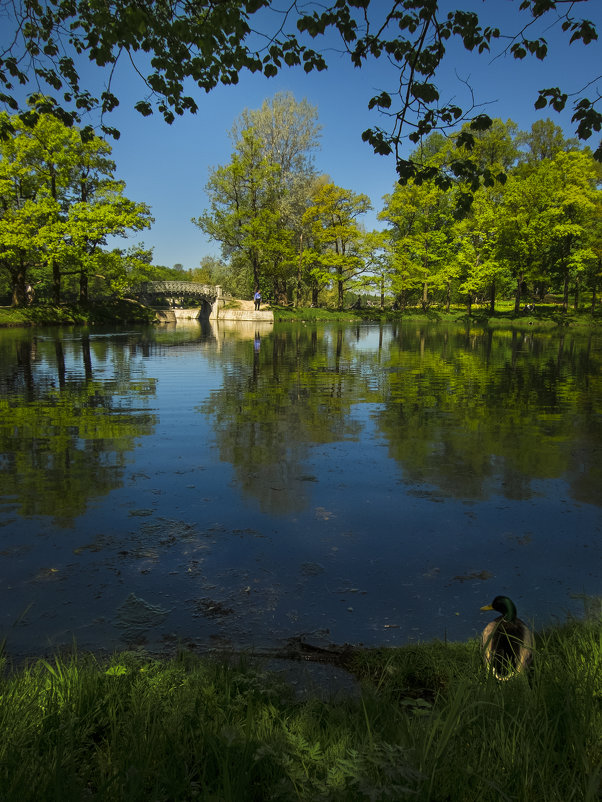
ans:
x=185 y=298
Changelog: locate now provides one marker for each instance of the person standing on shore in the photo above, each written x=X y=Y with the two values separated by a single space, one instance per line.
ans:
x=257 y=299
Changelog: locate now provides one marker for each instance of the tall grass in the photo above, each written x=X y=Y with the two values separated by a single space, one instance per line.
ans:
x=538 y=737
x=429 y=724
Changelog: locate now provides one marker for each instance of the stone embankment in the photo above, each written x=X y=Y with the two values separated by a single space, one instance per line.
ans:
x=244 y=310
x=232 y=310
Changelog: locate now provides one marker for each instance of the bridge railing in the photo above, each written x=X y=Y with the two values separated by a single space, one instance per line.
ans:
x=177 y=288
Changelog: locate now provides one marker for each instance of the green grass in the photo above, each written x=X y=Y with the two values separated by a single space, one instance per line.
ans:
x=319 y=314
x=544 y=316
x=306 y=313
x=428 y=725
x=108 y=313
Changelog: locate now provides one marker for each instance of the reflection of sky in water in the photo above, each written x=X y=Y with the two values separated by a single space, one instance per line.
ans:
x=333 y=540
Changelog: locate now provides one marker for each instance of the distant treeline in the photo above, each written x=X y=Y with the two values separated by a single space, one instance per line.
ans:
x=505 y=214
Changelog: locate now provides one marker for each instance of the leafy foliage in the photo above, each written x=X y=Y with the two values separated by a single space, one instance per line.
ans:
x=173 y=44
x=59 y=201
x=536 y=228
x=187 y=728
x=336 y=236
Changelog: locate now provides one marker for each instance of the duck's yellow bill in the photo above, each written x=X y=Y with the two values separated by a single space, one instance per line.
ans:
x=487 y=607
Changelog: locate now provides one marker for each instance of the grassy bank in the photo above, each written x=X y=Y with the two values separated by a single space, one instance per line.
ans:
x=428 y=725
x=543 y=316
x=89 y=315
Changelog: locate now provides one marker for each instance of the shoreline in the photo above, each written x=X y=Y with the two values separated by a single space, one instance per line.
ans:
x=544 y=317
x=420 y=722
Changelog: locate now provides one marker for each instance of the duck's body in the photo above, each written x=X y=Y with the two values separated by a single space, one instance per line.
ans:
x=507 y=642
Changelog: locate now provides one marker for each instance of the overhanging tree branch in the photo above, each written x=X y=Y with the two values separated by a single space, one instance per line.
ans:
x=213 y=42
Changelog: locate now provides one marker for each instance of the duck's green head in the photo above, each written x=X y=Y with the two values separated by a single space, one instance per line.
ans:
x=503 y=605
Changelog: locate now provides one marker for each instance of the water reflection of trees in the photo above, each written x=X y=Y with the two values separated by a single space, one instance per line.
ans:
x=291 y=390
x=64 y=435
x=469 y=412
x=476 y=413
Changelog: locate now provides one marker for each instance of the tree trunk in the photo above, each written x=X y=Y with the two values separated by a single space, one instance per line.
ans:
x=577 y=290
x=19 y=297
x=469 y=304
x=448 y=296
x=382 y=292
x=299 y=272
x=255 y=264
x=83 y=288
x=565 y=293
x=56 y=281
x=492 y=299
x=425 y=294
x=519 y=283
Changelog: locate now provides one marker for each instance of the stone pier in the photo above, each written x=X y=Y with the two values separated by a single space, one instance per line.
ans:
x=231 y=310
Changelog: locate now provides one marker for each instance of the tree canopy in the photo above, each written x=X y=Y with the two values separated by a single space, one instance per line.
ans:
x=172 y=43
x=534 y=232
x=293 y=233
x=59 y=201
x=283 y=227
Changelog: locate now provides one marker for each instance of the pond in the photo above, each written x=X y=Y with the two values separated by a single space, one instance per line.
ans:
x=233 y=486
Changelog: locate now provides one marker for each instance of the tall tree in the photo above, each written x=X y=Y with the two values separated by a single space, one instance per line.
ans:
x=523 y=232
x=289 y=134
x=336 y=235
x=572 y=210
x=475 y=241
x=544 y=141
x=376 y=256
x=106 y=213
x=35 y=172
x=420 y=217
x=492 y=153
x=58 y=203
x=51 y=152
x=243 y=214
x=258 y=200
x=546 y=221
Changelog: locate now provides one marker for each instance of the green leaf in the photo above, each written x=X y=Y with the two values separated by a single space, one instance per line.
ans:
x=465 y=140
x=426 y=92
x=383 y=101
x=116 y=671
x=144 y=107
x=481 y=122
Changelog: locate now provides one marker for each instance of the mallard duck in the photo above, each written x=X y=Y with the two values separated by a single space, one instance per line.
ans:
x=507 y=642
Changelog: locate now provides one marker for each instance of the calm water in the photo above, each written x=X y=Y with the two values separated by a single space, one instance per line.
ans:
x=218 y=486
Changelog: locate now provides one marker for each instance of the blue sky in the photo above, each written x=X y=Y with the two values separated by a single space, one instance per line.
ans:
x=168 y=166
